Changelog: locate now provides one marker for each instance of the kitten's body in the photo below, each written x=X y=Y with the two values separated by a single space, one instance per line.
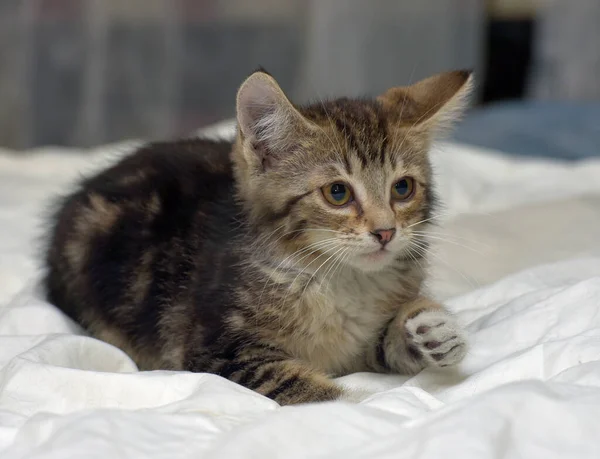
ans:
x=185 y=259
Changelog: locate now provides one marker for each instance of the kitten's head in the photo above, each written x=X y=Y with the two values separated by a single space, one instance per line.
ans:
x=346 y=180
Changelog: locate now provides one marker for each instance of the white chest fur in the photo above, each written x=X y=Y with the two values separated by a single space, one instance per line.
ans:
x=337 y=322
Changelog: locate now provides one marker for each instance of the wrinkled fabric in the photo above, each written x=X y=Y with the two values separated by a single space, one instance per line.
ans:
x=529 y=387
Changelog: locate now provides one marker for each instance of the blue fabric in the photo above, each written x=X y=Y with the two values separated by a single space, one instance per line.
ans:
x=561 y=130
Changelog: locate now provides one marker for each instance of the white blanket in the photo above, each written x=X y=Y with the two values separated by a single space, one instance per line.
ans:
x=530 y=386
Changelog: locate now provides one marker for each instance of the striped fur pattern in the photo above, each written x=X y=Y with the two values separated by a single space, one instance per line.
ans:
x=226 y=258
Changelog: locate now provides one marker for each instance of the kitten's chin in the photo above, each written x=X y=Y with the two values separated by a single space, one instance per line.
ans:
x=373 y=261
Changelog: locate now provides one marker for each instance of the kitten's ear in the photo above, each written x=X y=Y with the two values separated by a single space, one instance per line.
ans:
x=433 y=103
x=266 y=117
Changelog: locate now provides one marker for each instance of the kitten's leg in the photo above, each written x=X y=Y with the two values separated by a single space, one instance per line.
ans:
x=285 y=380
x=423 y=334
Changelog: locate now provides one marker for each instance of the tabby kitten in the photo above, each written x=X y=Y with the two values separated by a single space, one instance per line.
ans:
x=290 y=256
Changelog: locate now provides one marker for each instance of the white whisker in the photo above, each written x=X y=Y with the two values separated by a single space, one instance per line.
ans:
x=437 y=238
x=314 y=247
x=325 y=252
x=333 y=265
x=425 y=251
x=318 y=269
x=452 y=236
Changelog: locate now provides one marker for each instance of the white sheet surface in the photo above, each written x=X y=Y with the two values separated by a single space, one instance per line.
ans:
x=530 y=386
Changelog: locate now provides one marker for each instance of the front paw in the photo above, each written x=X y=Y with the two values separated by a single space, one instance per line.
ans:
x=435 y=339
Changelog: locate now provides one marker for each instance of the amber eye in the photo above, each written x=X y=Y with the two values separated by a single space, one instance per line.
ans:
x=403 y=189
x=337 y=194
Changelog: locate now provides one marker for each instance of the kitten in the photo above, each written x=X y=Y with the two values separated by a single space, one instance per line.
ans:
x=290 y=256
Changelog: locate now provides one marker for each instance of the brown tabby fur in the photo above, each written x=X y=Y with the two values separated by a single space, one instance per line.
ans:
x=225 y=258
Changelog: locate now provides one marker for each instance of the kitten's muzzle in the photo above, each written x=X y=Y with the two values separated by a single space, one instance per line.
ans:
x=383 y=236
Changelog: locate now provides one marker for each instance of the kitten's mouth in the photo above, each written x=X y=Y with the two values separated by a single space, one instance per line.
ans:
x=376 y=255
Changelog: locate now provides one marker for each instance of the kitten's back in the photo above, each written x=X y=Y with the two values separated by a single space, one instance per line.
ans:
x=130 y=237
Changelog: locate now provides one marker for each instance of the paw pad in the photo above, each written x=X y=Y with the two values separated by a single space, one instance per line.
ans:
x=422 y=330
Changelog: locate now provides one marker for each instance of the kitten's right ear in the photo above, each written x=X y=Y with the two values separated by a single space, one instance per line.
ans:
x=433 y=103
x=266 y=117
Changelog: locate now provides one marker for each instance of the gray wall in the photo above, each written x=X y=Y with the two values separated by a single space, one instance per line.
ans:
x=85 y=72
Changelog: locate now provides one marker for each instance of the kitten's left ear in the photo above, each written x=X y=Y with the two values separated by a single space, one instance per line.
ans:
x=433 y=103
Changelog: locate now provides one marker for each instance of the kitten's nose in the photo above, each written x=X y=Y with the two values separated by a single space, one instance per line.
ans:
x=384 y=235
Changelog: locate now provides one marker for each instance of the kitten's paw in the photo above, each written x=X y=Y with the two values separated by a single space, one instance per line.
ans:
x=435 y=338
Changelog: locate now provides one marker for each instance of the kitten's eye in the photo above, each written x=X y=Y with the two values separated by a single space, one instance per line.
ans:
x=403 y=189
x=337 y=194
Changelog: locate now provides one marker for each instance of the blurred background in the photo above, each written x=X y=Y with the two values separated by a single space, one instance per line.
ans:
x=88 y=72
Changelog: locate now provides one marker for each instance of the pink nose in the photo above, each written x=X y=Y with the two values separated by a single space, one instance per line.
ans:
x=384 y=236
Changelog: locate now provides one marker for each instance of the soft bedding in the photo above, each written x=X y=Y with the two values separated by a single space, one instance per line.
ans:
x=517 y=259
